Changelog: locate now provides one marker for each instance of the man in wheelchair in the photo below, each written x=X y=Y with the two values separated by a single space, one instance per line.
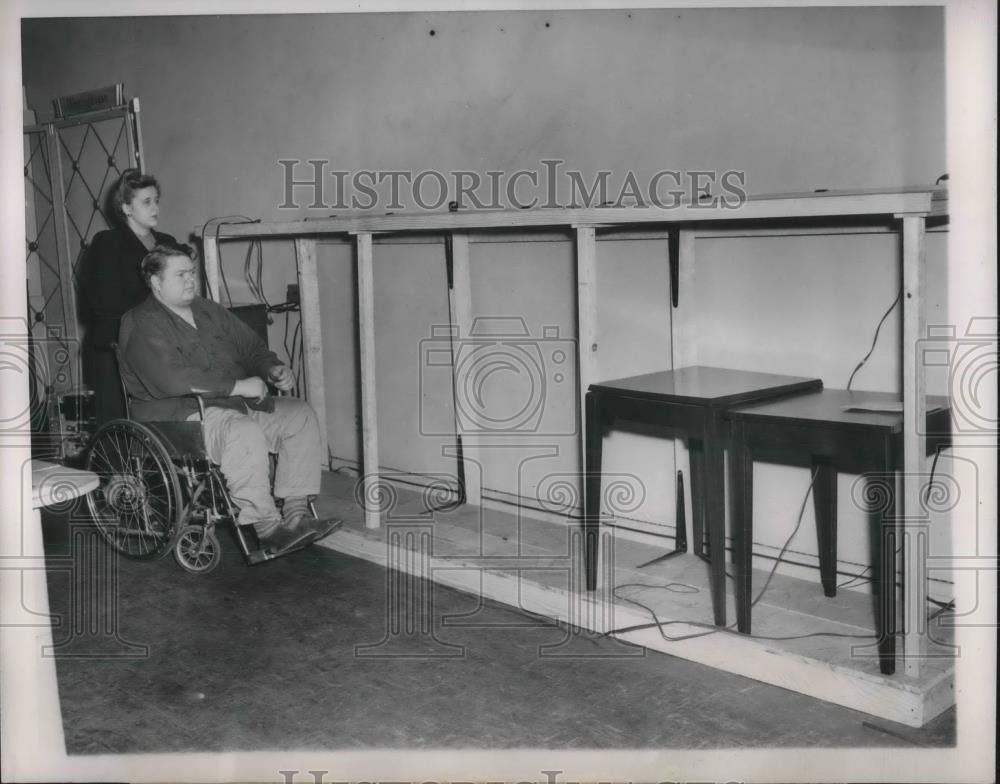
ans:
x=176 y=345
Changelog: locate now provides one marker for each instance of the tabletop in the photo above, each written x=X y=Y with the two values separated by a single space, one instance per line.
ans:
x=707 y=385
x=827 y=407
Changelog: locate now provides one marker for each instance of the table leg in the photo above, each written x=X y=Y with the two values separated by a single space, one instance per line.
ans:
x=825 y=506
x=680 y=518
x=696 y=456
x=884 y=543
x=741 y=497
x=592 y=489
x=715 y=513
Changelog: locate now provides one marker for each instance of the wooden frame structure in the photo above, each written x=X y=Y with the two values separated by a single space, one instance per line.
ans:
x=65 y=246
x=904 y=210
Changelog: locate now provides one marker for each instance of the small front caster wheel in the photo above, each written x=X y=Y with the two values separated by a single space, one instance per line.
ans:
x=197 y=549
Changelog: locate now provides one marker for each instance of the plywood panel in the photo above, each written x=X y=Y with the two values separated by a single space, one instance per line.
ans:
x=416 y=414
x=336 y=276
x=809 y=306
x=633 y=277
x=504 y=90
x=524 y=384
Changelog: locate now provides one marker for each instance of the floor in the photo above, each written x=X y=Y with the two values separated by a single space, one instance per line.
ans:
x=298 y=653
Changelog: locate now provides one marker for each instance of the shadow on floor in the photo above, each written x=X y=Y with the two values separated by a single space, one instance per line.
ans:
x=300 y=652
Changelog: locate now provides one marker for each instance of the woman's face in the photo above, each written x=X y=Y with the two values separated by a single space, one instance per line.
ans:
x=143 y=212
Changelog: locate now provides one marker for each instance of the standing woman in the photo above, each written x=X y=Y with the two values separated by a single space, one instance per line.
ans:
x=110 y=283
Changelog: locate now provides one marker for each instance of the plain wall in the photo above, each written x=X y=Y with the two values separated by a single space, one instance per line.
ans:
x=798 y=99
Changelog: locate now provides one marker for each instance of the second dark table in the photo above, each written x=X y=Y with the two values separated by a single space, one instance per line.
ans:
x=689 y=401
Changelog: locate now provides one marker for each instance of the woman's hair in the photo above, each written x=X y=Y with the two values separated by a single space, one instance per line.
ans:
x=123 y=191
x=155 y=261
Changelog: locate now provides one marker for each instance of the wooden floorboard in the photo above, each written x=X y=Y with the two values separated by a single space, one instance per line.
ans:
x=536 y=565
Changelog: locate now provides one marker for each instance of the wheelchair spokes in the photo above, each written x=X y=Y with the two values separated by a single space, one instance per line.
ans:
x=159 y=492
x=137 y=501
x=197 y=549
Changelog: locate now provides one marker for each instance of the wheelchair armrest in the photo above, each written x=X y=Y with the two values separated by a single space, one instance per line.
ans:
x=201 y=404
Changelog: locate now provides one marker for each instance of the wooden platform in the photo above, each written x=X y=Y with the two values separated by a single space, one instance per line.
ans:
x=536 y=565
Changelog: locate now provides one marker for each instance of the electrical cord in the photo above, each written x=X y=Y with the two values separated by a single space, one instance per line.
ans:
x=217 y=223
x=875 y=338
x=253 y=268
x=711 y=629
x=934 y=462
x=297 y=350
x=899 y=296
x=255 y=284
x=788 y=541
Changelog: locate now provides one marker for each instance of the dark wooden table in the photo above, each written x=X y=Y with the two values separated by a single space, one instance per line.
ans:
x=815 y=430
x=689 y=403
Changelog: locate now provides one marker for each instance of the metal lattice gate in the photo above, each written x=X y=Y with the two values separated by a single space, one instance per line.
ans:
x=69 y=164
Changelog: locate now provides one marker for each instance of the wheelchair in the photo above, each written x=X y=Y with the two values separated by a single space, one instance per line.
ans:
x=159 y=492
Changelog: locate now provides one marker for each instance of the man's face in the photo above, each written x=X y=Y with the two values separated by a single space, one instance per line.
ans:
x=177 y=285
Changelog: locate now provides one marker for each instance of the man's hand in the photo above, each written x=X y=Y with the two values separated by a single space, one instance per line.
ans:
x=282 y=377
x=252 y=388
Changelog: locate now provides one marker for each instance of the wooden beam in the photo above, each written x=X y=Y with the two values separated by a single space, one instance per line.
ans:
x=211 y=250
x=64 y=250
x=586 y=319
x=587 y=347
x=914 y=446
x=369 y=416
x=460 y=301
x=709 y=230
x=782 y=206
x=312 y=334
x=683 y=341
x=136 y=150
x=684 y=353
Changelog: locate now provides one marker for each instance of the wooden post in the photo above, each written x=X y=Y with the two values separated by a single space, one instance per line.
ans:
x=586 y=318
x=211 y=251
x=36 y=299
x=460 y=301
x=684 y=352
x=137 y=153
x=914 y=440
x=684 y=346
x=312 y=334
x=63 y=247
x=369 y=417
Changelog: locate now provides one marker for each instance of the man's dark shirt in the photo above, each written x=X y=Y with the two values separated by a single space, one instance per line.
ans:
x=163 y=358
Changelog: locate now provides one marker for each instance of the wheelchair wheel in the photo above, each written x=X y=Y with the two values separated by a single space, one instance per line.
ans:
x=137 y=504
x=197 y=549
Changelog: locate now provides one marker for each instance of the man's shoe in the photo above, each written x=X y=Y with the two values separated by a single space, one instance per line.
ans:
x=325 y=527
x=284 y=539
x=317 y=528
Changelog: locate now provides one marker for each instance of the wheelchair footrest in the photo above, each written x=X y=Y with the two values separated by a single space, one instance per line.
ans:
x=258 y=556
x=264 y=554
